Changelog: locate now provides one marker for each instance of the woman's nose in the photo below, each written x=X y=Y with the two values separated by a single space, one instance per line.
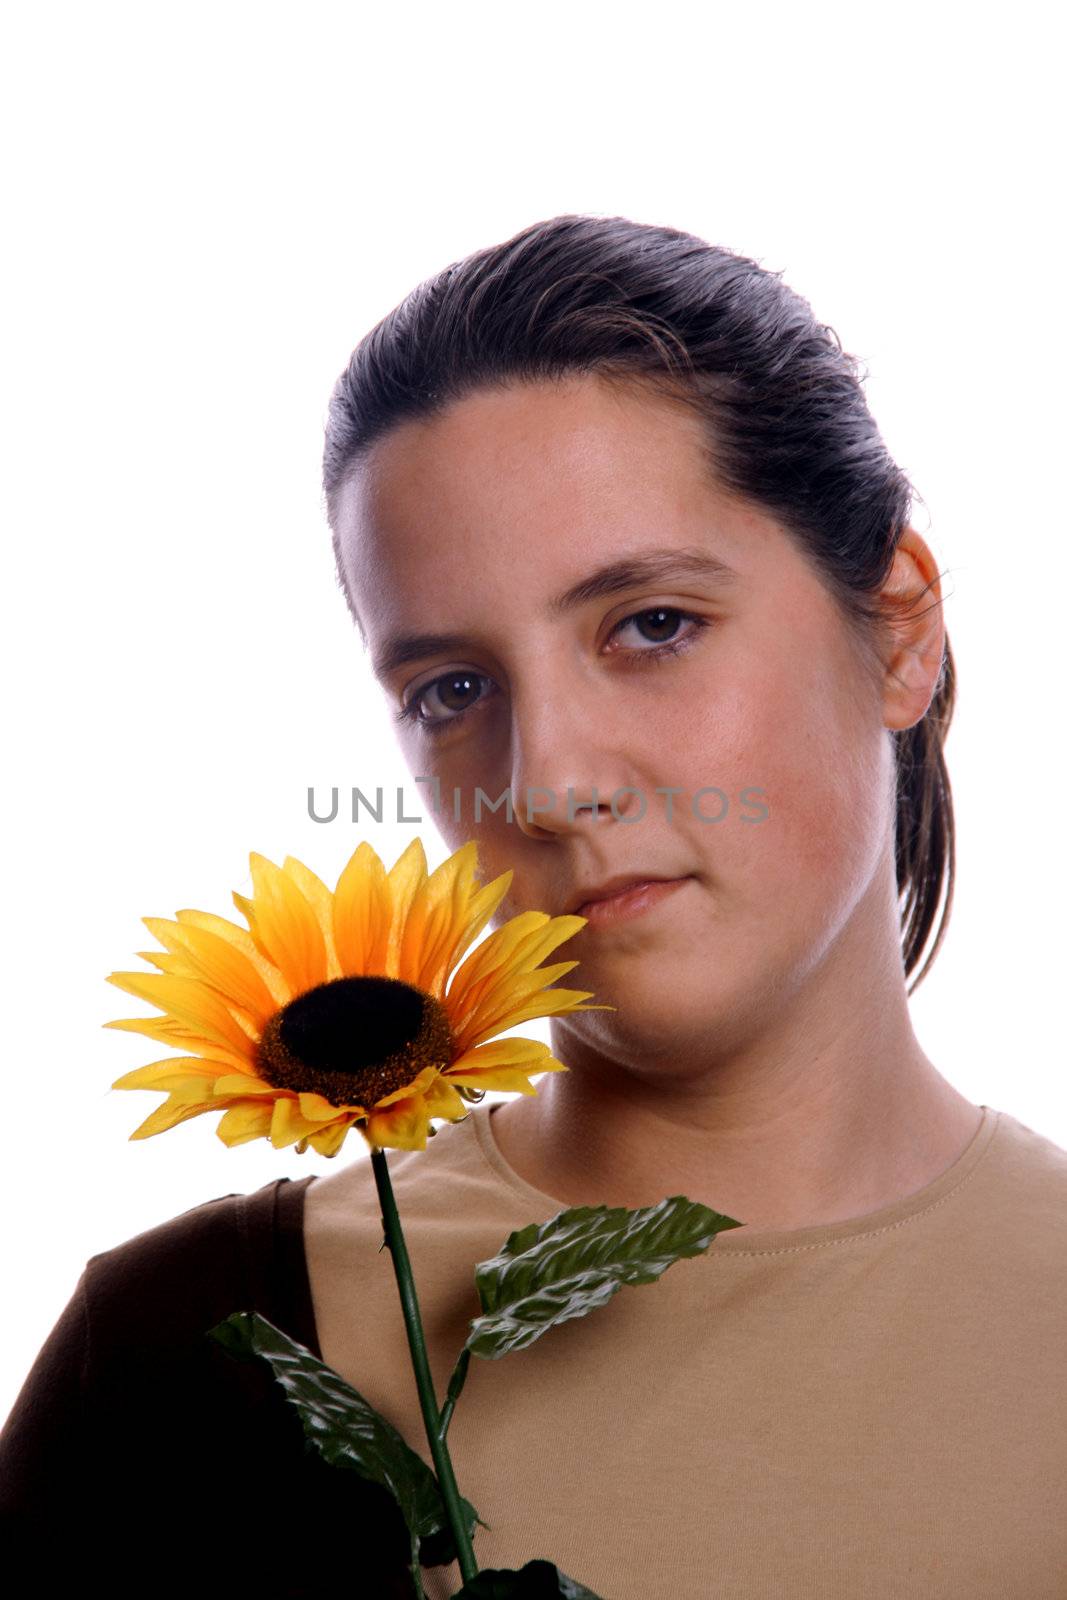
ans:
x=539 y=810
x=566 y=772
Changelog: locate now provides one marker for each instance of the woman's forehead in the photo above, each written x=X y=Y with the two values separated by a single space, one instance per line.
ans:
x=549 y=474
x=575 y=436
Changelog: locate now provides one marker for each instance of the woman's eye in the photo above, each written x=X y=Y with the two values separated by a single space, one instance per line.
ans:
x=658 y=625
x=460 y=686
x=457 y=684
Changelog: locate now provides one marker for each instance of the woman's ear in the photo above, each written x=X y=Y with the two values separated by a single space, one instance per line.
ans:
x=915 y=631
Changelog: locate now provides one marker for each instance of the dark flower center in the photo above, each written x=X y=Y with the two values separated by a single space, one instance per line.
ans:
x=354 y=1040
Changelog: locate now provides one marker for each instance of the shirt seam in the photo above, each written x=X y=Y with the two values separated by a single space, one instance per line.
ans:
x=483 y=1135
x=88 y=1347
x=889 y=1227
x=244 y=1248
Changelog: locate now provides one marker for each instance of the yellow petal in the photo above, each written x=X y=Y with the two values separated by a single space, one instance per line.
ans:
x=284 y=926
x=178 y=1108
x=546 y=1004
x=434 y=919
x=504 y=994
x=241 y=1083
x=215 y=961
x=167 y=1031
x=181 y=966
x=406 y=877
x=540 y=942
x=499 y=945
x=520 y=965
x=479 y=912
x=513 y=1080
x=401 y=1126
x=188 y=1002
x=443 y=1101
x=493 y=956
x=176 y=965
x=246 y=1119
x=504 y=1064
x=362 y=913
x=241 y=940
x=329 y=1140
x=421 y=1081
x=172 y=1074
x=316 y=1108
x=287 y=1123
x=515 y=1051
x=320 y=899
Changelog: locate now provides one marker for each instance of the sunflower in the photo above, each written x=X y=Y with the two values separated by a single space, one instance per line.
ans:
x=330 y=1011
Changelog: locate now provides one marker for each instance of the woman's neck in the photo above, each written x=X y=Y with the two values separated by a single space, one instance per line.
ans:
x=809 y=1122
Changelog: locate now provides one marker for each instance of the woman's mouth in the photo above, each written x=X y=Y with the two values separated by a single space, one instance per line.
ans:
x=630 y=902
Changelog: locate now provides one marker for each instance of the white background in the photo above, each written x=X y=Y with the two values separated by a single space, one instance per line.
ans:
x=207 y=206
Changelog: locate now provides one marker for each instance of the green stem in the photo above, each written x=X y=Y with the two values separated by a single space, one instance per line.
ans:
x=405 y=1283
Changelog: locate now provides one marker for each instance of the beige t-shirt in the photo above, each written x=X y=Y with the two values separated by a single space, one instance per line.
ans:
x=865 y=1410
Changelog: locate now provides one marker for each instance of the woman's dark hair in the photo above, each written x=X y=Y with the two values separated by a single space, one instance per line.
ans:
x=786 y=425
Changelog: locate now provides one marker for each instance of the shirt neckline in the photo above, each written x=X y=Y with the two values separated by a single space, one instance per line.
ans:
x=780 y=1241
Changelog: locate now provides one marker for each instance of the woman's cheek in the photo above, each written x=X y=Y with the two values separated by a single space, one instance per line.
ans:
x=801 y=760
x=831 y=830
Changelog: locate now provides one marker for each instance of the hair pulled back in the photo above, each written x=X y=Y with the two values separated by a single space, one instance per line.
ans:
x=787 y=426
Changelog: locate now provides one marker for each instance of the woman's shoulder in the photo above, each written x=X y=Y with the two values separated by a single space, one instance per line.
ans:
x=235 y=1215
x=129 y=1397
x=238 y=1251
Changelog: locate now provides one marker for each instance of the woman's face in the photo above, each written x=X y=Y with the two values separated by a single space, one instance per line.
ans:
x=472 y=525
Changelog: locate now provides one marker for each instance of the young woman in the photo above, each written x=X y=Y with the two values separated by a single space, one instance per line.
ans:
x=635 y=570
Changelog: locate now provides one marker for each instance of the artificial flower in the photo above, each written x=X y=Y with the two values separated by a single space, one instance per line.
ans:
x=331 y=1010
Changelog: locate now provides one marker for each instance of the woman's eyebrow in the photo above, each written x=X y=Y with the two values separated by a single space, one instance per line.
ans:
x=686 y=561
x=612 y=578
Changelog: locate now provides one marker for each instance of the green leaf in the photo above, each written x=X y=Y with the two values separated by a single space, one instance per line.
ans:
x=550 y=1272
x=346 y=1430
x=537 y=1580
x=455 y=1389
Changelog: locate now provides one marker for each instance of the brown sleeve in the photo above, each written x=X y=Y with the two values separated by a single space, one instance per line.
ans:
x=42 y=1445
x=140 y=1455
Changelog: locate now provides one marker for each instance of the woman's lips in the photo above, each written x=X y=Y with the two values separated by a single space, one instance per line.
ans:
x=627 y=903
